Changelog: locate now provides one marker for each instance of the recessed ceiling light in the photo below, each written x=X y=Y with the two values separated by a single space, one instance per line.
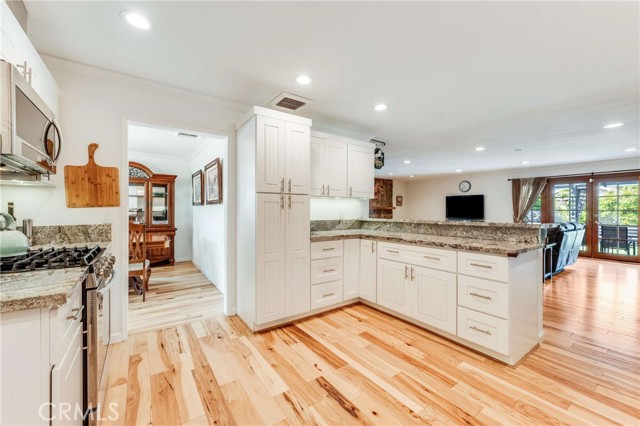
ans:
x=407 y=161
x=480 y=148
x=303 y=79
x=411 y=176
x=525 y=162
x=390 y=173
x=613 y=125
x=136 y=20
x=458 y=170
x=630 y=149
x=381 y=107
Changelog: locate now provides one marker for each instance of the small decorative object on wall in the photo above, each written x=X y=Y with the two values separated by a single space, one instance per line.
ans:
x=378 y=155
x=399 y=200
x=196 y=186
x=213 y=182
x=464 y=186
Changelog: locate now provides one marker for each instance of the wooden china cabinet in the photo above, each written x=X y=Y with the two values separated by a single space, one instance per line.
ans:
x=152 y=202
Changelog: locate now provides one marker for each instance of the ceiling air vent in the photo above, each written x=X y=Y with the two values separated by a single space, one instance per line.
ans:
x=187 y=135
x=290 y=102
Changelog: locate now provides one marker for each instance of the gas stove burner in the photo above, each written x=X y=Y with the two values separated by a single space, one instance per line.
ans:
x=50 y=258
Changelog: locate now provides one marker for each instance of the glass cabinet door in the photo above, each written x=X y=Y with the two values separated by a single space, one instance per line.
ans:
x=159 y=204
x=137 y=203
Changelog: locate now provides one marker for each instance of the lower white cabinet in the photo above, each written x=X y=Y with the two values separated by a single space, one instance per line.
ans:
x=368 y=270
x=485 y=330
x=393 y=286
x=351 y=269
x=326 y=294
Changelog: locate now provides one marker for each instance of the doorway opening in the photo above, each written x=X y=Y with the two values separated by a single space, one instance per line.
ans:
x=177 y=226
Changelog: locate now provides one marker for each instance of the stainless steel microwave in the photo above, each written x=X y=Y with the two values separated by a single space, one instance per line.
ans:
x=30 y=137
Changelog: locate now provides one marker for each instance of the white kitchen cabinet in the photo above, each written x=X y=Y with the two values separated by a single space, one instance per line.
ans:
x=360 y=176
x=433 y=297
x=351 y=258
x=393 y=286
x=282 y=156
x=328 y=166
x=368 y=270
x=17 y=49
x=273 y=250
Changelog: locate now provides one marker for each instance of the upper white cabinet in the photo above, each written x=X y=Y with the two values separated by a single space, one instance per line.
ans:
x=328 y=166
x=341 y=167
x=282 y=156
x=16 y=48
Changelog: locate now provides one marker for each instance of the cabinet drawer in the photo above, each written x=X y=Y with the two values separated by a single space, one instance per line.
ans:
x=485 y=296
x=444 y=260
x=326 y=294
x=483 y=266
x=325 y=270
x=324 y=249
x=485 y=330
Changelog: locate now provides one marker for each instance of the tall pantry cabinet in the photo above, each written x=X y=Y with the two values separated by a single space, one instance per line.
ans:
x=273 y=250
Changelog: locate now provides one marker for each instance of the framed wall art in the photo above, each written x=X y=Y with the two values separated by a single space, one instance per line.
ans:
x=213 y=182
x=196 y=187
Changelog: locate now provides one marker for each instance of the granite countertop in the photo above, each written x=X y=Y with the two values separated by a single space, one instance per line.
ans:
x=504 y=248
x=471 y=223
x=41 y=289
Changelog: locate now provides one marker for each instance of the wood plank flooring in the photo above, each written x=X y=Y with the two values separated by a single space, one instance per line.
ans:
x=177 y=294
x=356 y=365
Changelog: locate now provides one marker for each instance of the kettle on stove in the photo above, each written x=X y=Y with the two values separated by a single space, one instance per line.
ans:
x=12 y=241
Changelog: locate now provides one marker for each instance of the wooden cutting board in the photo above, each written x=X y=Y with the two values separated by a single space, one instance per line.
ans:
x=92 y=185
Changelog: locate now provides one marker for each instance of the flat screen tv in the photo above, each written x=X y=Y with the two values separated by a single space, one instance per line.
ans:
x=465 y=207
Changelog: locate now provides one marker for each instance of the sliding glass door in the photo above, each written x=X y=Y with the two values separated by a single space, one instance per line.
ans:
x=570 y=202
x=616 y=218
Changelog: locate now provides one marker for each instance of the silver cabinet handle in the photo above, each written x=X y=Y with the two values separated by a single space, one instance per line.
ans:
x=393 y=251
x=431 y=257
x=289 y=185
x=282 y=202
x=487 y=332
x=406 y=272
x=328 y=190
x=413 y=274
x=329 y=270
x=350 y=191
x=322 y=189
x=282 y=185
x=328 y=248
x=480 y=296
x=328 y=294
x=289 y=202
x=479 y=265
x=373 y=247
x=78 y=312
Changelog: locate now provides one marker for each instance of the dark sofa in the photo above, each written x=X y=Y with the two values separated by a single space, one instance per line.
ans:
x=568 y=238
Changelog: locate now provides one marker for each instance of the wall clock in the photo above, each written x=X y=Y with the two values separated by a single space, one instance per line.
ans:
x=464 y=186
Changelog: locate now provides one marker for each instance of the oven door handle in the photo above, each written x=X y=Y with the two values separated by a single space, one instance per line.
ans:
x=105 y=288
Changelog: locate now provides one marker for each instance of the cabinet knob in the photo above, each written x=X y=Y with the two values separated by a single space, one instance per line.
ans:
x=289 y=185
x=282 y=185
x=322 y=189
x=328 y=190
x=350 y=191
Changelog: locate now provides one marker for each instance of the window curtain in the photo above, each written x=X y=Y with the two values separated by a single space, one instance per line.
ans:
x=524 y=193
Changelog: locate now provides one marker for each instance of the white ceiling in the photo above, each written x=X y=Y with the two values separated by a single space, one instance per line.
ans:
x=166 y=142
x=543 y=77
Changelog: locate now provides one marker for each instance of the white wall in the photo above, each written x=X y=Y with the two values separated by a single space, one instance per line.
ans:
x=94 y=107
x=209 y=222
x=400 y=188
x=338 y=208
x=183 y=217
x=425 y=198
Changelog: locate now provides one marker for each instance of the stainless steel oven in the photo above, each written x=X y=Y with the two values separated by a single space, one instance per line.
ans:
x=97 y=337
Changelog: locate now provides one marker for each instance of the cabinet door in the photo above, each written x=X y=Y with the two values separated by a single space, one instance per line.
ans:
x=393 y=286
x=270 y=155
x=270 y=257
x=335 y=154
x=298 y=269
x=433 y=296
x=297 y=140
x=360 y=171
x=351 y=269
x=317 y=181
x=368 y=270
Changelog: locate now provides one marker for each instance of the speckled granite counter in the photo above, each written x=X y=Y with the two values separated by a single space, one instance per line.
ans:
x=507 y=239
x=40 y=289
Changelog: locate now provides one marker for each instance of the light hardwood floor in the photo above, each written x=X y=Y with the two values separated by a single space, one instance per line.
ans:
x=356 y=365
x=177 y=294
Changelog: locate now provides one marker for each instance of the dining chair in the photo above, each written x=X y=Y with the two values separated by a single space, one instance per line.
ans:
x=139 y=270
x=614 y=238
